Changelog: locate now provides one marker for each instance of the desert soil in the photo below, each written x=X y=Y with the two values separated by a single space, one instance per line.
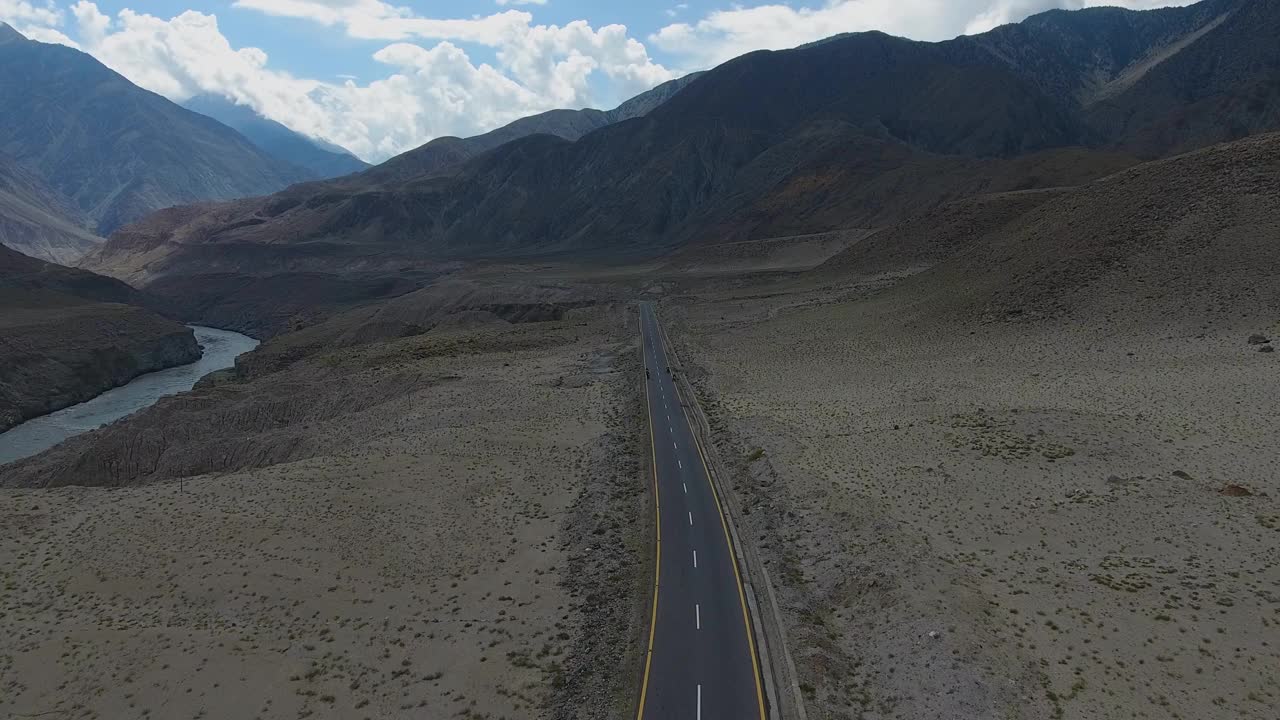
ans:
x=1058 y=519
x=450 y=525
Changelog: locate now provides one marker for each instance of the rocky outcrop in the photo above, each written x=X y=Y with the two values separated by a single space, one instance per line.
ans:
x=53 y=359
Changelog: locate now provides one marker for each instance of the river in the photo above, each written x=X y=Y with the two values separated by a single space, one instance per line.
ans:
x=220 y=350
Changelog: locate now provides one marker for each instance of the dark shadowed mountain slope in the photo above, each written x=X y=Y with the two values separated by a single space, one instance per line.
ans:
x=445 y=155
x=1082 y=56
x=22 y=273
x=1154 y=82
x=1222 y=85
x=862 y=130
x=1192 y=237
x=115 y=150
x=67 y=335
x=321 y=160
x=38 y=221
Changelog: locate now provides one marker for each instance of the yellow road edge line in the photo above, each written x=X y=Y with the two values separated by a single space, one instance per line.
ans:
x=657 y=512
x=742 y=600
x=724 y=525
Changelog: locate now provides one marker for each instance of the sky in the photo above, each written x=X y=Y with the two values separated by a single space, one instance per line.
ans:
x=379 y=77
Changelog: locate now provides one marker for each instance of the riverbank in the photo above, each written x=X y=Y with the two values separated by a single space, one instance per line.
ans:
x=67 y=335
x=219 y=350
x=55 y=357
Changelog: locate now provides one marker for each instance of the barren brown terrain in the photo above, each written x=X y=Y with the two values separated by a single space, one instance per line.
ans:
x=1031 y=473
x=1009 y=458
x=444 y=525
x=1026 y=523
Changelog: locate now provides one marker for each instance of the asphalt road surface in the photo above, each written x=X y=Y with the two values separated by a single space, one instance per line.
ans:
x=701 y=663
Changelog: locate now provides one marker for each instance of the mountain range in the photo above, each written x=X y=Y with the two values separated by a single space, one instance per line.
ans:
x=861 y=130
x=115 y=151
x=83 y=151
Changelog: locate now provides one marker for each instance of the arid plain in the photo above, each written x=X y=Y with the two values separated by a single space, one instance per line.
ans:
x=446 y=527
x=1017 y=458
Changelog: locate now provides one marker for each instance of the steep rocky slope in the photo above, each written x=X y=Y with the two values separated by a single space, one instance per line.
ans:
x=36 y=220
x=1082 y=57
x=67 y=335
x=1222 y=85
x=116 y=151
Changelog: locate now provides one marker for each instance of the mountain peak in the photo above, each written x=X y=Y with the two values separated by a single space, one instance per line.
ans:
x=80 y=154
x=8 y=34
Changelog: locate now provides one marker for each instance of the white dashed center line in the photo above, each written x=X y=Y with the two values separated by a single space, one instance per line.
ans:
x=691 y=518
x=697 y=617
x=695 y=558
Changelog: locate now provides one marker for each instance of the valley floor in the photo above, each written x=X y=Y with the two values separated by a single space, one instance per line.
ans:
x=1035 y=517
x=441 y=526
x=1036 y=520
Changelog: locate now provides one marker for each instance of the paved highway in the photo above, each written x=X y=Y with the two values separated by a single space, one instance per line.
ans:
x=701 y=662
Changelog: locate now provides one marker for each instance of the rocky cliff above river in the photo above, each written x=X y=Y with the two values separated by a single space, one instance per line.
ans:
x=68 y=335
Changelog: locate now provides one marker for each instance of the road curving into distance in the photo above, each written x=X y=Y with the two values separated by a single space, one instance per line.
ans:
x=701 y=663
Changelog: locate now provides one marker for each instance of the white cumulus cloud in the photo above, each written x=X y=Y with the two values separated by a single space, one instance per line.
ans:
x=553 y=59
x=37 y=20
x=21 y=12
x=432 y=87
